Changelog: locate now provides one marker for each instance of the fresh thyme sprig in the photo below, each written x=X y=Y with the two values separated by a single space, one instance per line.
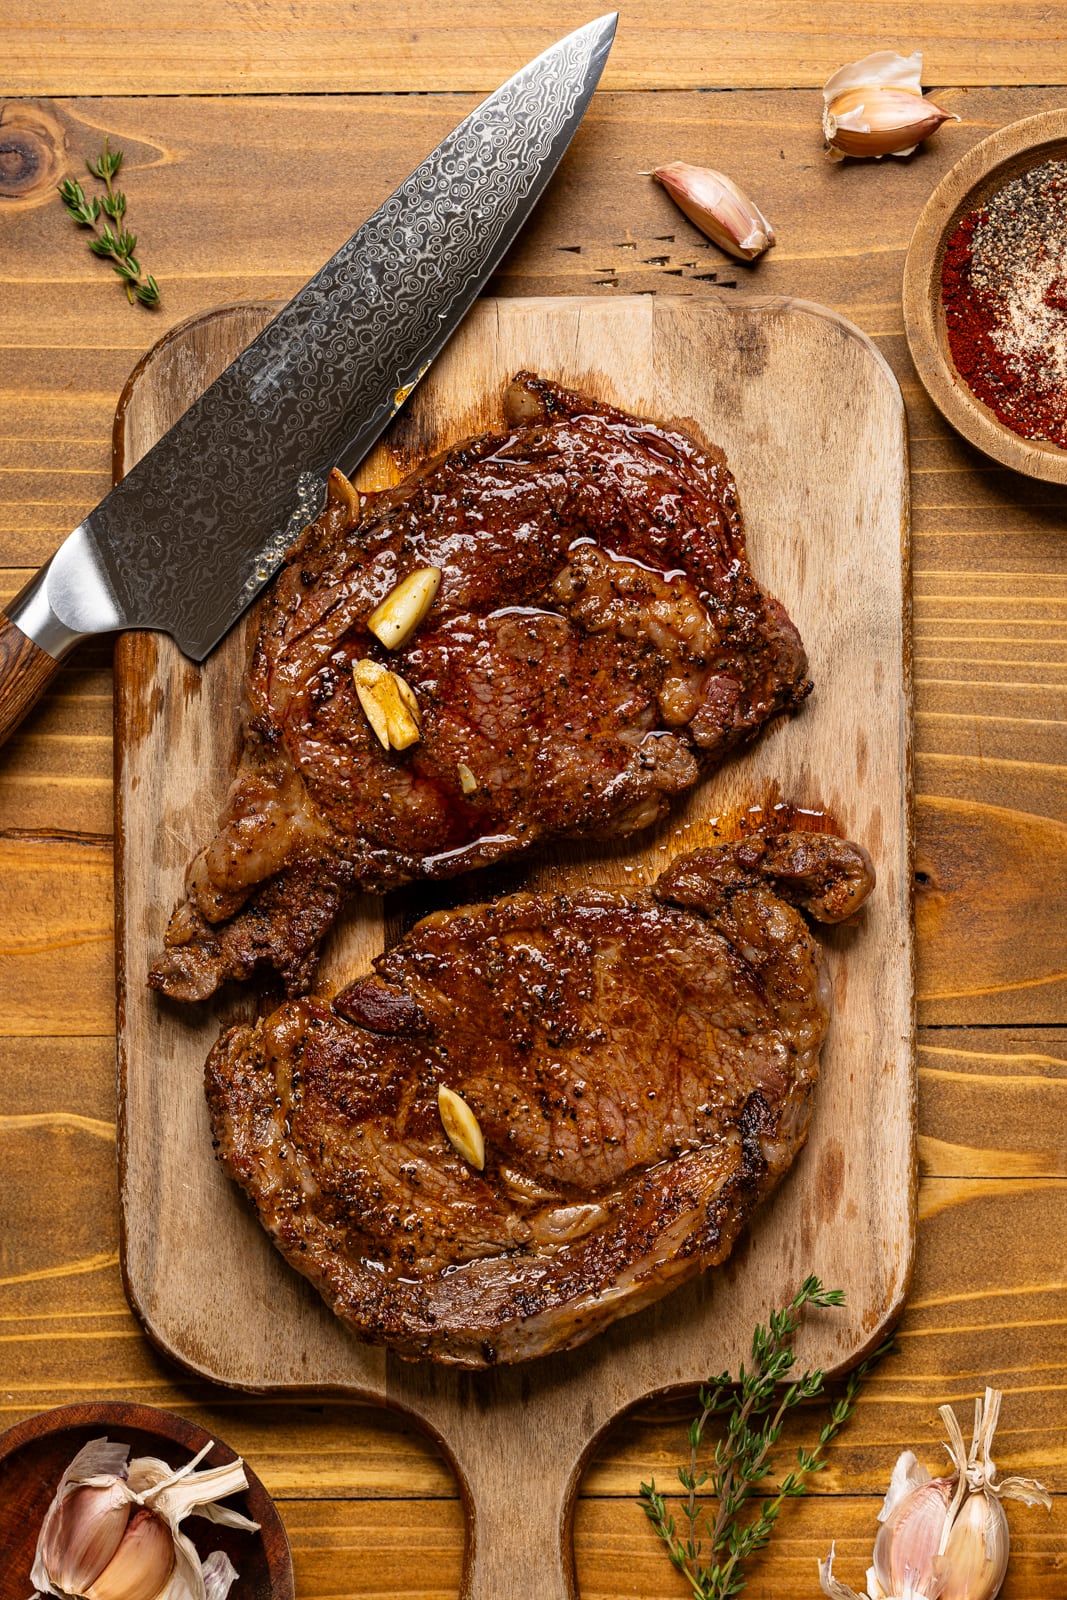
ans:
x=711 y=1547
x=115 y=244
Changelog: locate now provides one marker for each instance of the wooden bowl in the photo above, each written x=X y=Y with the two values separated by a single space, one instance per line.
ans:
x=34 y=1455
x=969 y=184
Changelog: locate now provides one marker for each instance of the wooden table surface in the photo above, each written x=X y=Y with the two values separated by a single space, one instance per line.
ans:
x=257 y=134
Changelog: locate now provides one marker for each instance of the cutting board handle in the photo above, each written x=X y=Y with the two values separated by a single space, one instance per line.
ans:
x=25 y=672
x=520 y=1513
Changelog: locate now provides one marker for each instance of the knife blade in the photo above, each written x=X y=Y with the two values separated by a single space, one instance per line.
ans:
x=190 y=536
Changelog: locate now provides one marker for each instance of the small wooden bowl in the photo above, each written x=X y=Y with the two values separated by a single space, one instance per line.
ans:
x=34 y=1455
x=969 y=184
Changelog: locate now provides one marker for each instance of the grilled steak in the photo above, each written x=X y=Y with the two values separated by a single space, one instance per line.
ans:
x=641 y=1068
x=597 y=641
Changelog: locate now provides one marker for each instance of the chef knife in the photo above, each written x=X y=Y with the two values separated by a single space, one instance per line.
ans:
x=192 y=533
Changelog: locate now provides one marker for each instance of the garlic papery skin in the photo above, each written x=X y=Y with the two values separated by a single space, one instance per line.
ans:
x=142 y=1565
x=875 y=107
x=719 y=208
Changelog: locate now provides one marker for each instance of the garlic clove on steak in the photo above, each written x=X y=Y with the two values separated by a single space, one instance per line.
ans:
x=395 y=620
x=467 y=781
x=461 y=1126
x=389 y=704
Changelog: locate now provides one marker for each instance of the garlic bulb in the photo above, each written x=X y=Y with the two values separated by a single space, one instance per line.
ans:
x=875 y=107
x=112 y=1529
x=943 y=1538
x=718 y=207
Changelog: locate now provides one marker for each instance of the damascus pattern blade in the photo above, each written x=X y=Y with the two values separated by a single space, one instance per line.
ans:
x=201 y=523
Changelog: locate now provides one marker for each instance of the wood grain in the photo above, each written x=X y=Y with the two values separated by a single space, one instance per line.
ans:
x=244 y=198
x=738 y=372
x=268 y=46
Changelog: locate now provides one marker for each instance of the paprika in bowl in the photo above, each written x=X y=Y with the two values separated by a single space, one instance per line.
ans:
x=985 y=296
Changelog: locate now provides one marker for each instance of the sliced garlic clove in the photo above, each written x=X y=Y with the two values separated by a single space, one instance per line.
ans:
x=366 y=676
x=395 y=620
x=461 y=1126
x=718 y=208
x=389 y=704
x=467 y=781
x=141 y=1565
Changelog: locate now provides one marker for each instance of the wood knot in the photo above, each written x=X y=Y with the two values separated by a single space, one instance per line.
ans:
x=32 y=153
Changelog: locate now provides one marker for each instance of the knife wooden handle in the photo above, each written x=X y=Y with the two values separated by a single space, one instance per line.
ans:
x=25 y=672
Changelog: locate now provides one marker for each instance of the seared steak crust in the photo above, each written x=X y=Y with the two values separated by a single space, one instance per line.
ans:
x=597 y=641
x=641 y=1066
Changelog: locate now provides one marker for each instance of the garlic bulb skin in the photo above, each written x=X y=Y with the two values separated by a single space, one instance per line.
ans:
x=718 y=208
x=875 y=107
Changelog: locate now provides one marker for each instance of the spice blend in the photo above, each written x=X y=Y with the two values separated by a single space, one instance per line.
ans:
x=1004 y=290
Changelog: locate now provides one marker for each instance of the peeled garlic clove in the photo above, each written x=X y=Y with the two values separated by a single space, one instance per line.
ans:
x=719 y=208
x=467 y=781
x=875 y=107
x=141 y=1565
x=389 y=704
x=395 y=620
x=461 y=1126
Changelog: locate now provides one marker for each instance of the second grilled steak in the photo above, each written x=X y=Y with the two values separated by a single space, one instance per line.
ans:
x=641 y=1069
x=598 y=641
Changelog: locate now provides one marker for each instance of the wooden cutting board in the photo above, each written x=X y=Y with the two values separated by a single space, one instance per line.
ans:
x=813 y=423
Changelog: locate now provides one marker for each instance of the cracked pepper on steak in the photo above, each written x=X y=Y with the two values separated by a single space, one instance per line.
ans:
x=641 y=1066
x=598 y=640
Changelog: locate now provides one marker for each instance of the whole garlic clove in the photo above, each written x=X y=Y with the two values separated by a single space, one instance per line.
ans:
x=82 y=1533
x=875 y=107
x=718 y=207
x=976 y=1556
x=142 y=1564
x=908 y=1541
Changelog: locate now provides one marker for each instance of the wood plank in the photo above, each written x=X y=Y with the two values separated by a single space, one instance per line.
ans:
x=270 y=47
x=361 y=1548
